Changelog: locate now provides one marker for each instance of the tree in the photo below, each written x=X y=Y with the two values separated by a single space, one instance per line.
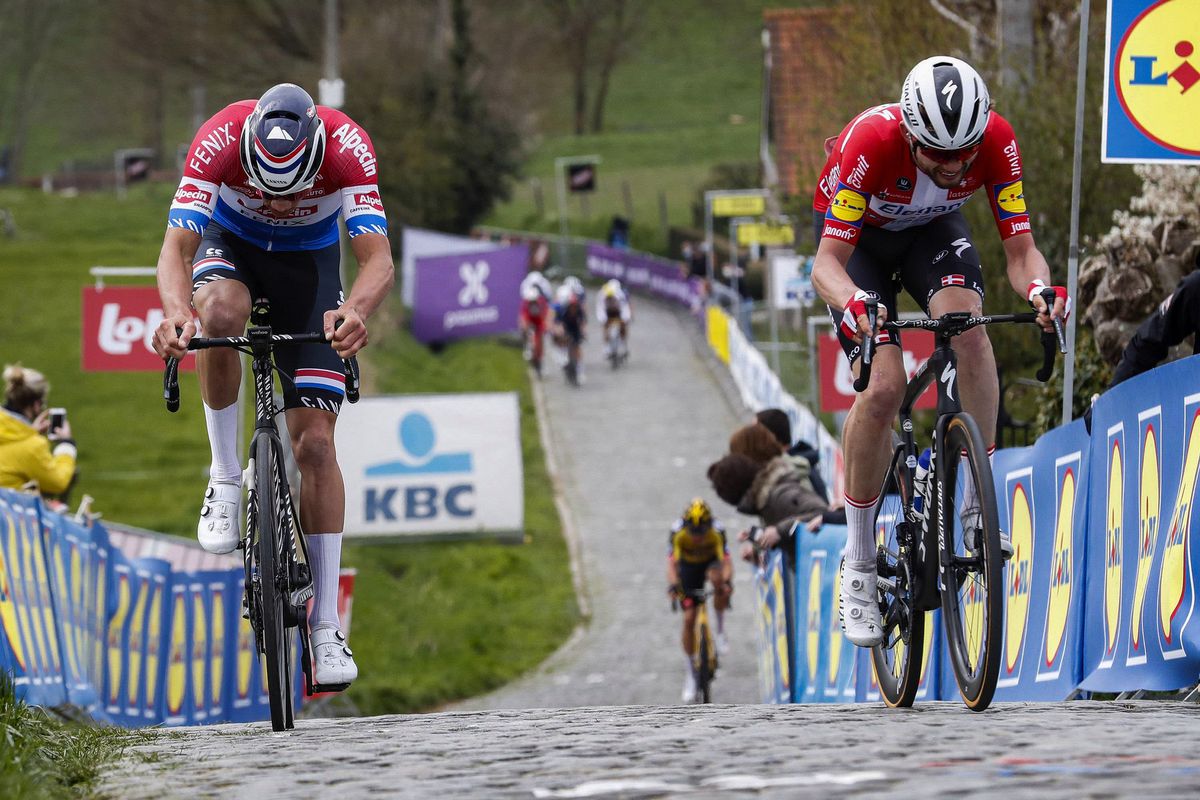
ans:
x=592 y=36
x=28 y=29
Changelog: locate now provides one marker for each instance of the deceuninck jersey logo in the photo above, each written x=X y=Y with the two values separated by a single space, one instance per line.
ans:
x=1156 y=70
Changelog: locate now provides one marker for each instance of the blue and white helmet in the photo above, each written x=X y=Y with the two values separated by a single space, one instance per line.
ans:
x=283 y=141
x=945 y=103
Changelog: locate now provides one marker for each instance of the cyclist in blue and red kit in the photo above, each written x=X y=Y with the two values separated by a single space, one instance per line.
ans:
x=887 y=214
x=256 y=216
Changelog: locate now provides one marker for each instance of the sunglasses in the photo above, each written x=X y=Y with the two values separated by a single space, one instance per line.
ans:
x=948 y=156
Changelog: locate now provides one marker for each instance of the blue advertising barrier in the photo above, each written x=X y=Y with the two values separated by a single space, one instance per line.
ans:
x=130 y=641
x=775 y=672
x=1142 y=631
x=1101 y=592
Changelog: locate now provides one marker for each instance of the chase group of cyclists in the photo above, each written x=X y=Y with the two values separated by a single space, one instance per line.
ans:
x=256 y=216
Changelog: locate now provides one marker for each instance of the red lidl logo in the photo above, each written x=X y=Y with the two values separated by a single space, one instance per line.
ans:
x=1173 y=581
x=1019 y=572
x=1114 y=522
x=1149 y=509
x=1156 y=72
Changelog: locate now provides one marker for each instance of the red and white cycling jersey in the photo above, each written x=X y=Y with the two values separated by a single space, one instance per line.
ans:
x=214 y=186
x=870 y=178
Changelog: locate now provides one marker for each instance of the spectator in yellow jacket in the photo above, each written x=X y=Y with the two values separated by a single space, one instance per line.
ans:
x=29 y=450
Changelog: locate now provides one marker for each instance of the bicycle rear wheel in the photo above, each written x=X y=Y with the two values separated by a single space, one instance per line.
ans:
x=897 y=660
x=972 y=565
x=272 y=513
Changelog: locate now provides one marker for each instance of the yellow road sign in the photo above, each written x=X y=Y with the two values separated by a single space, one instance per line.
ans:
x=738 y=205
x=765 y=233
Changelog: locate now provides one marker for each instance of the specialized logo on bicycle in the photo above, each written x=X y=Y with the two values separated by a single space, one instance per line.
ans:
x=1156 y=74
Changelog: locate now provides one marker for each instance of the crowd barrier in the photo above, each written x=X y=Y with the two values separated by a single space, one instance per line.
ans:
x=1101 y=592
x=761 y=388
x=130 y=641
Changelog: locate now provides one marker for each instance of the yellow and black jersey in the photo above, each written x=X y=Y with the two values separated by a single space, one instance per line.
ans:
x=682 y=546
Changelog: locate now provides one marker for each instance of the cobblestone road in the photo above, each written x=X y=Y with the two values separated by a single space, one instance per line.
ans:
x=599 y=720
x=1069 y=750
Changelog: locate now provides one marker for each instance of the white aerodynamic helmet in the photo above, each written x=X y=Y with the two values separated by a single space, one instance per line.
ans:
x=945 y=103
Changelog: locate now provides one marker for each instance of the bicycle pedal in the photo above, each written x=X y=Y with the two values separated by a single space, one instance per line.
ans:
x=322 y=688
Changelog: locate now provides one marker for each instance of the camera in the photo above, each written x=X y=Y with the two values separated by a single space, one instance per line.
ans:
x=58 y=418
x=753 y=534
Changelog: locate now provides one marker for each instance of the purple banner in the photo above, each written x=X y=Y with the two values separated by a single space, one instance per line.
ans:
x=471 y=294
x=666 y=279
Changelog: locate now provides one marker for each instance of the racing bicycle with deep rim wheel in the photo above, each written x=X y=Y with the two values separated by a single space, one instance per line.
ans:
x=278 y=582
x=928 y=559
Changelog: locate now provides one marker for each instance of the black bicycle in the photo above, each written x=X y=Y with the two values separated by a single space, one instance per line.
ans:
x=278 y=580
x=964 y=578
x=704 y=660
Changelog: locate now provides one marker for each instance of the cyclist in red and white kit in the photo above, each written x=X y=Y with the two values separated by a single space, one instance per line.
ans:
x=256 y=216
x=887 y=214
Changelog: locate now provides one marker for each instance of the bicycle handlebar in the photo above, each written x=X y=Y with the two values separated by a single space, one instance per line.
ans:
x=955 y=323
x=171 y=370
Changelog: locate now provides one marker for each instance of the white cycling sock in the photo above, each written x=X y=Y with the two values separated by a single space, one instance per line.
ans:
x=325 y=561
x=222 y=439
x=970 y=500
x=687 y=661
x=860 y=538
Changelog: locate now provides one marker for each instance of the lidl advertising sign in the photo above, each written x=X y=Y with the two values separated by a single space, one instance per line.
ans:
x=1152 y=89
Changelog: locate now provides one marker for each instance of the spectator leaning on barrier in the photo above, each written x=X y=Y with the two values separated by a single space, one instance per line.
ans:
x=776 y=421
x=29 y=450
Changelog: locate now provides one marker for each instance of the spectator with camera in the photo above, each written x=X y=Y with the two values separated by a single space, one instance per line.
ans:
x=35 y=441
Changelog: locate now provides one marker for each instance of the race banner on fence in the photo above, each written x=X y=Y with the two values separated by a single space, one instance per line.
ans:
x=420 y=243
x=774 y=658
x=1141 y=630
x=475 y=294
x=433 y=465
x=130 y=641
x=824 y=658
x=668 y=280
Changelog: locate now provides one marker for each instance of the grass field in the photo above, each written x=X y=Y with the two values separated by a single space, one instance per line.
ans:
x=688 y=98
x=432 y=622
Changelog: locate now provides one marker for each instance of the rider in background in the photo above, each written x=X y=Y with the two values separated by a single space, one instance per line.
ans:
x=256 y=215
x=570 y=324
x=697 y=550
x=887 y=209
x=534 y=317
x=612 y=308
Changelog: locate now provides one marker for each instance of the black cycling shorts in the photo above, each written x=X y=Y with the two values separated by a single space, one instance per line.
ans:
x=300 y=286
x=923 y=260
x=692 y=576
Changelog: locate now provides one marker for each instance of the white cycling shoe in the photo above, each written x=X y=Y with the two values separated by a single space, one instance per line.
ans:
x=218 y=527
x=858 y=607
x=722 y=644
x=689 y=687
x=333 y=661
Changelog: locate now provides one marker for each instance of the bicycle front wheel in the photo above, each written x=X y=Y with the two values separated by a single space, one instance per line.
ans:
x=706 y=658
x=897 y=660
x=971 y=565
x=272 y=514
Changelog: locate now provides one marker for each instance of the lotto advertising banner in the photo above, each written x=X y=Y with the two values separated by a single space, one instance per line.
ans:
x=433 y=465
x=774 y=656
x=475 y=294
x=664 y=279
x=118 y=330
x=1042 y=493
x=1151 y=91
x=837 y=381
x=1142 y=630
